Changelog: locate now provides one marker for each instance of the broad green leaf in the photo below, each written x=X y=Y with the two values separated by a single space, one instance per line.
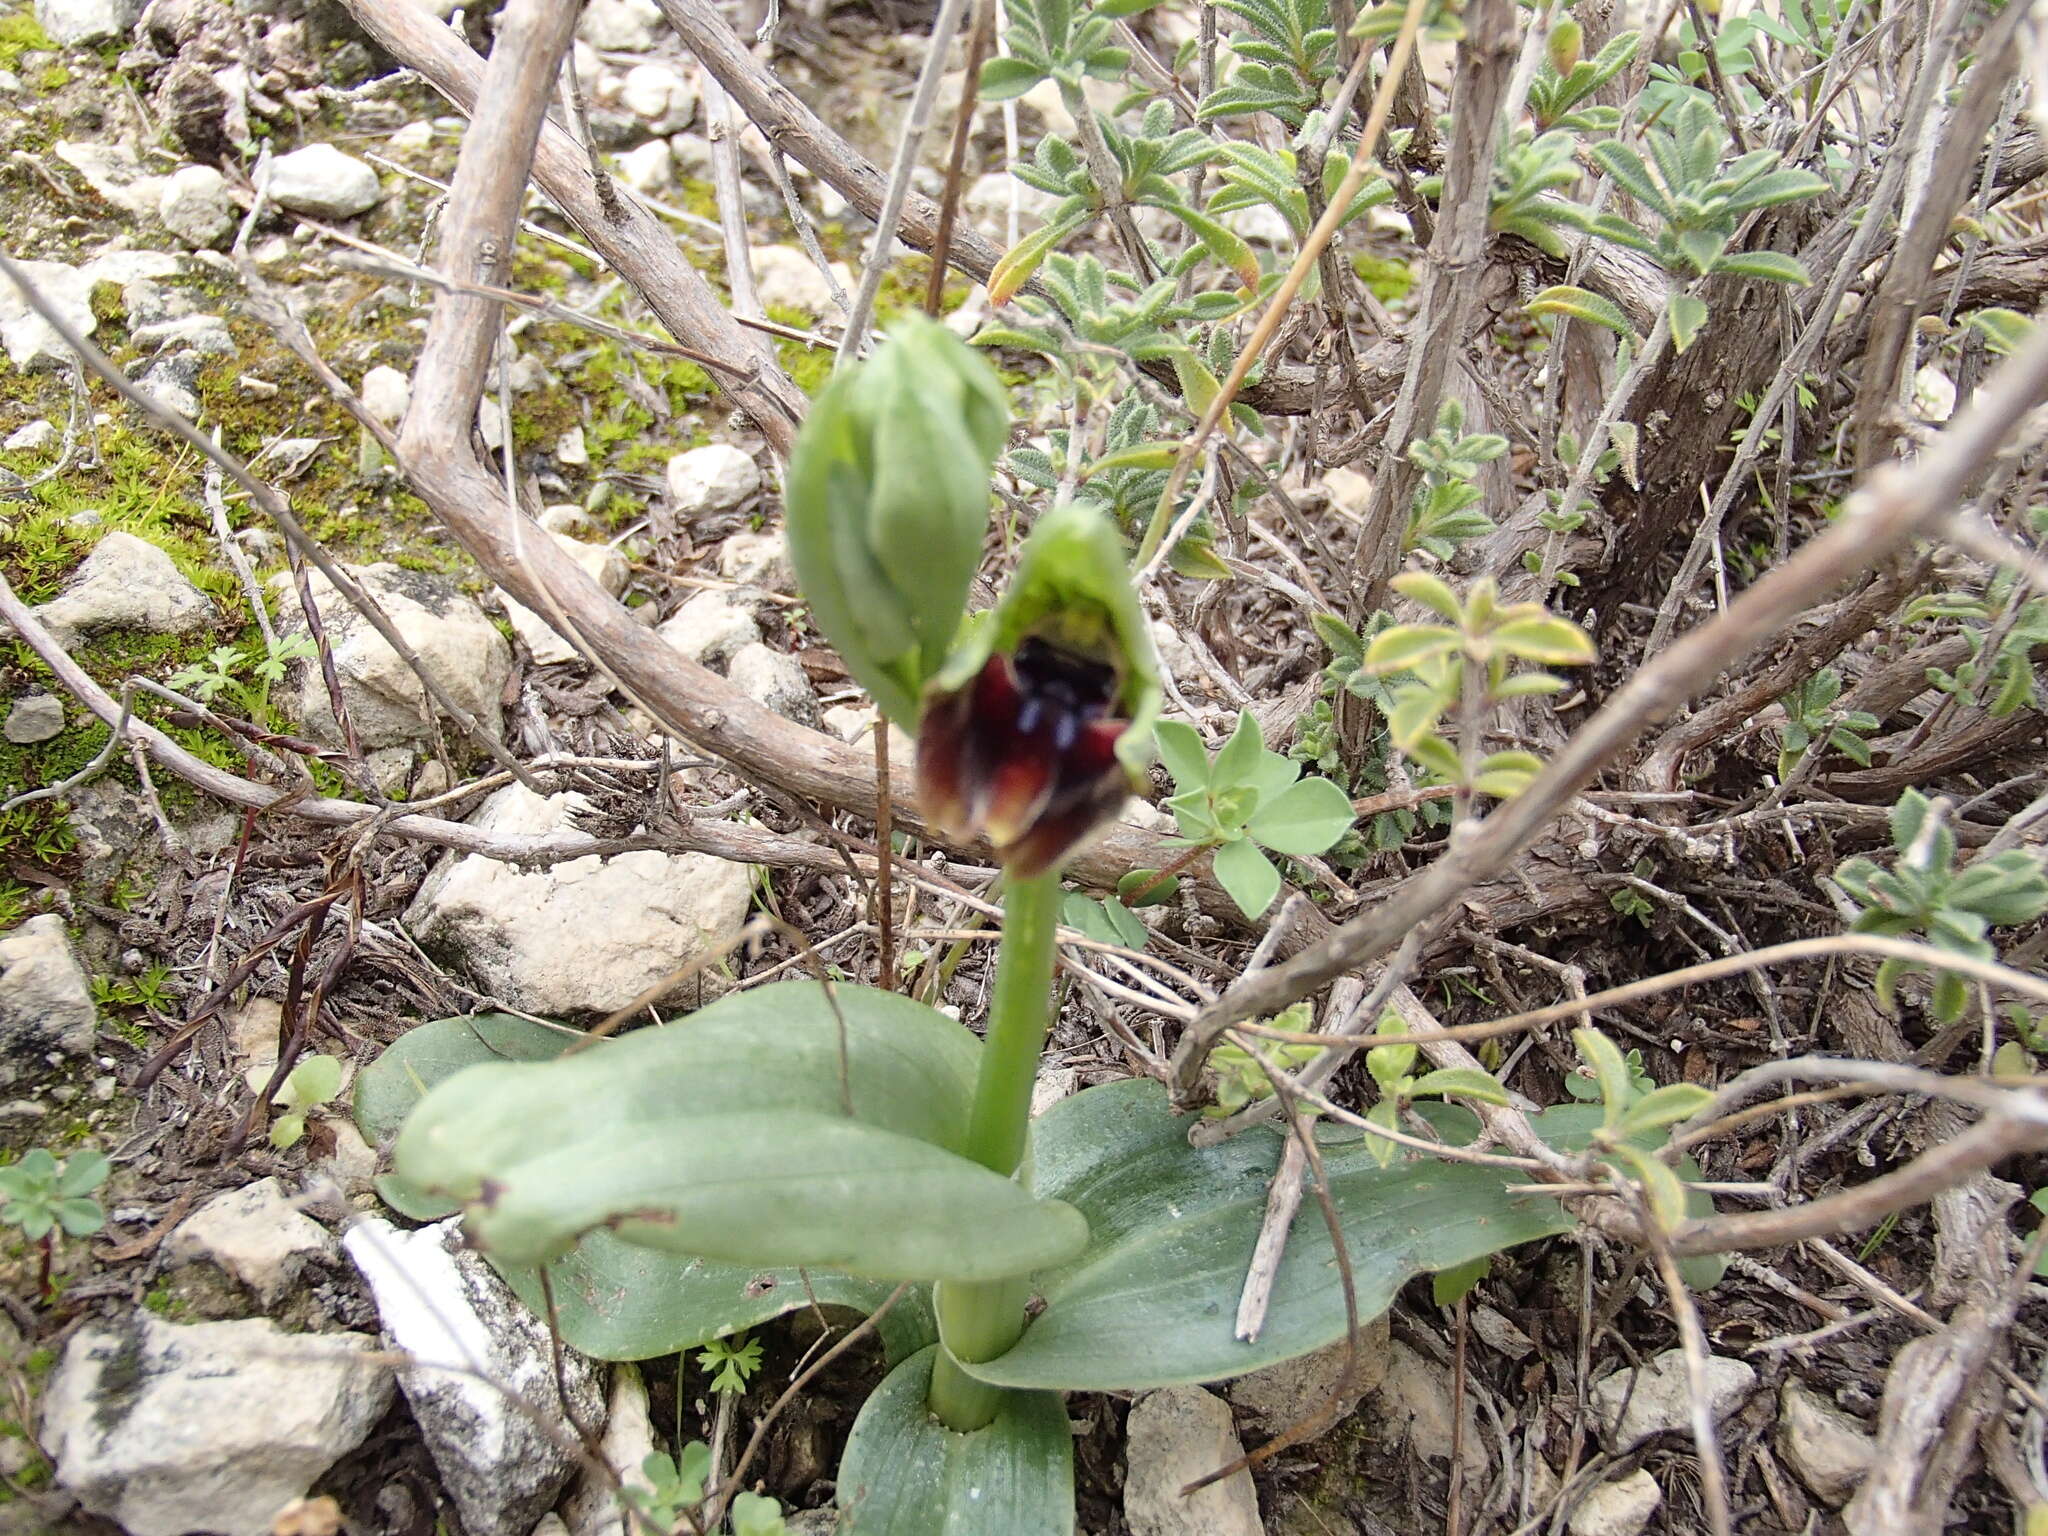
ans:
x=2005 y=330
x=1304 y=819
x=1631 y=173
x=1548 y=641
x=1461 y=1083
x=769 y=1187
x=1687 y=314
x=1181 y=749
x=1248 y=876
x=79 y=1216
x=1151 y=1302
x=1581 y=304
x=1399 y=648
x=315 y=1080
x=1137 y=456
x=1448 y=1287
x=1609 y=1070
x=1023 y=259
x=1664 y=1106
x=614 y=1301
x=904 y=1473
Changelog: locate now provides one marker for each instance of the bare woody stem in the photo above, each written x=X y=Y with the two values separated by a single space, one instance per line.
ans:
x=979 y=1322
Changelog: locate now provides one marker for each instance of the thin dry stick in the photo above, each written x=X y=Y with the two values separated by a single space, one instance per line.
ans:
x=1283 y=1199
x=1896 y=505
x=944 y=25
x=979 y=41
x=1304 y=263
x=1706 y=1442
x=732 y=196
x=885 y=833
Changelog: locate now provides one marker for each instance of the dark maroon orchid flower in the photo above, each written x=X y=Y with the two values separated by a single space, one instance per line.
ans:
x=1025 y=753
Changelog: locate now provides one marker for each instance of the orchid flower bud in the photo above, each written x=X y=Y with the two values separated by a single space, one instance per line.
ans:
x=888 y=506
x=1040 y=726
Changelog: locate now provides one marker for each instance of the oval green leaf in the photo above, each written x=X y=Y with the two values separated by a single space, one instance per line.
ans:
x=905 y=1474
x=1151 y=1301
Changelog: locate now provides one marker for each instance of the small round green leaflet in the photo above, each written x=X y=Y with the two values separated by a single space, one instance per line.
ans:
x=906 y=1474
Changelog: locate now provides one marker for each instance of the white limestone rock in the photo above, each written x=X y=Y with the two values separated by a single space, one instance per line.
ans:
x=620 y=26
x=660 y=96
x=386 y=393
x=711 y=628
x=583 y=936
x=592 y=1508
x=323 y=183
x=786 y=277
x=126 y=583
x=115 y=173
x=1620 y=1508
x=1826 y=1449
x=1281 y=1394
x=255 y=1234
x=166 y=1429
x=751 y=559
x=603 y=564
x=70 y=22
x=649 y=167
x=1176 y=1435
x=38 y=717
x=1662 y=1399
x=195 y=205
x=454 y=641
x=775 y=681
x=714 y=478
x=32 y=344
x=46 y=1008
x=442 y=1304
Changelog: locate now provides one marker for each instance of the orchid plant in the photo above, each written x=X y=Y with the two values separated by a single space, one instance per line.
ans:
x=818 y=1143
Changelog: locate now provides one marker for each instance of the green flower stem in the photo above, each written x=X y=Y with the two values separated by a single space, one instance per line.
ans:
x=983 y=1320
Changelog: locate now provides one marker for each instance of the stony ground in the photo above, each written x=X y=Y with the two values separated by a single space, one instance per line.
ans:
x=205 y=1360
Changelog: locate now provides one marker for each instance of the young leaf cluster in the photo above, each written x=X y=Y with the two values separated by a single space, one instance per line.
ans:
x=1631 y=1111
x=1810 y=717
x=313 y=1082
x=1924 y=893
x=1246 y=799
x=1393 y=1070
x=43 y=1195
x=1445 y=512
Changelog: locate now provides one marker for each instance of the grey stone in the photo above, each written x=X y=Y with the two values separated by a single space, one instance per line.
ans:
x=205 y=1427
x=714 y=478
x=195 y=205
x=603 y=564
x=571 y=452
x=1826 y=1449
x=1174 y=1436
x=322 y=182
x=441 y=1303
x=447 y=631
x=1416 y=1395
x=649 y=168
x=87 y=21
x=253 y=1033
x=1662 y=1399
x=207 y=335
x=1497 y=1331
x=1620 y=1508
x=656 y=93
x=32 y=343
x=253 y=1233
x=582 y=936
x=170 y=383
x=785 y=276
x=39 y=717
x=774 y=681
x=35 y=437
x=386 y=393
x=620 y=26
x=592 y=1508
x=752 y=559
x=126 y=583
x=987 y=203
x=45 y=1004
x=711 y=628
x=114 y=172
x=1281 y=1394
